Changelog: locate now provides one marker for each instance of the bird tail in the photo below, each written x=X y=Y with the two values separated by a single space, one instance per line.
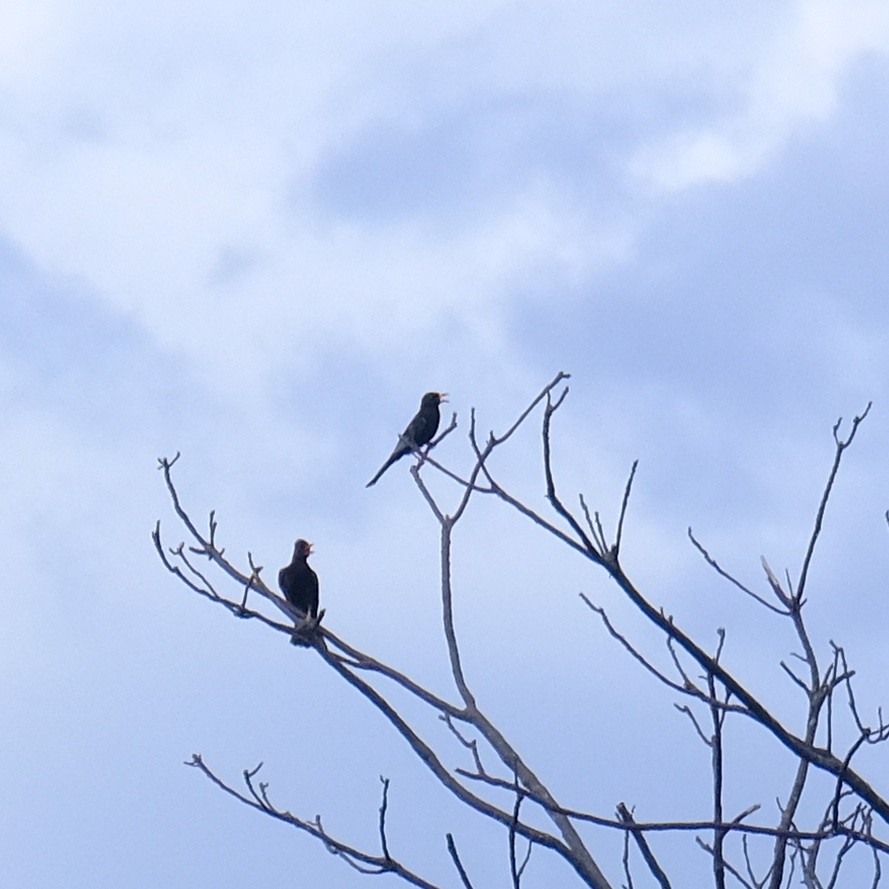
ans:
x=383 y=468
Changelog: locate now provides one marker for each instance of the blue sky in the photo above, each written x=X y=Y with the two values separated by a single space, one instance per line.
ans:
x=258 y=233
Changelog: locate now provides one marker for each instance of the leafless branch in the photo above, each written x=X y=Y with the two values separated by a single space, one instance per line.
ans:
x=358 y=859
x=356 y=660
x=841 y=446
x=717 y=716
x=752 y=884
x=615 y=552
x=511 y=836
x=750 y=704
x=626 y=816
x=633 y=652
x=541 y=396
x=469 y=744
x=551 y=495
x=849 y=815
x=729 y=577
x=736 y=825
x=384 y=845
x=594 y=523
x=452 y=851
x=429 y=758
x=626 y=860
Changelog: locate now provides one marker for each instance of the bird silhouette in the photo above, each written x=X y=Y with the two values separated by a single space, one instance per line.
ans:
x=419 y=431
x=299 y=583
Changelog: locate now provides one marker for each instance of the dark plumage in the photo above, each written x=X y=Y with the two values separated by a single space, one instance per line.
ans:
x=299 y=583
x=419 y=431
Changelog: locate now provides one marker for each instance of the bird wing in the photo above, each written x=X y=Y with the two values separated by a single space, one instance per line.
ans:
x=312 y=597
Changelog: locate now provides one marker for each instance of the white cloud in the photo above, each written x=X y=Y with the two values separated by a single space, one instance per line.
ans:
x=149 y=148
x=143 y=159
x=792 y=82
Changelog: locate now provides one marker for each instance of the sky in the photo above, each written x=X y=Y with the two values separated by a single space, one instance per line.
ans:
x=256 y=234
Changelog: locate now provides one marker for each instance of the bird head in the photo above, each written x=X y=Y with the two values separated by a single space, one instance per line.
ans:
x=433 y=399
x=302 y=548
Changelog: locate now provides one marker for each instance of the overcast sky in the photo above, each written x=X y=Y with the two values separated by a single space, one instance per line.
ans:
x=256 y=234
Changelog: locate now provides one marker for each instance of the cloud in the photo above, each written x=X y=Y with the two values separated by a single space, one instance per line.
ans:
x=793 y=82
x=179 y=165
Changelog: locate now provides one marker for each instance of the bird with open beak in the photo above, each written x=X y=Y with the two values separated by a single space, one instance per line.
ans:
x=419 y=431
x=299 y=583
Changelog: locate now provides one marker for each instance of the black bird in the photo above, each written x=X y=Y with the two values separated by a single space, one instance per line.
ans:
x=299 y=583
x=419 y=431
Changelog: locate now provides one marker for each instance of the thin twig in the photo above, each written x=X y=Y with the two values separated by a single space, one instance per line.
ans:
x=362 y=861
x=626 y=816
x=513 y=866
x=615 y=550
x=730 y=578
x=384 y=845
x=452 y=851
x=734 y=826
x=841 y=446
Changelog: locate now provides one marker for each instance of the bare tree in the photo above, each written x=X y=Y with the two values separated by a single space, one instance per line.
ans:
x=810 y=844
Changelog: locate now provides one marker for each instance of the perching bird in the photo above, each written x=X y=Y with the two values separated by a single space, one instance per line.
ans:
x=299 y=583
x=419 y=431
